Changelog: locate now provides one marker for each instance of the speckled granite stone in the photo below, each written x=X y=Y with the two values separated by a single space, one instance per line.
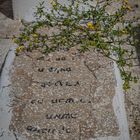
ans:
x=63 y=96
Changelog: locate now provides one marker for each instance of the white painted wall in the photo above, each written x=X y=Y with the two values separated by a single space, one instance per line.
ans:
x=24 y=9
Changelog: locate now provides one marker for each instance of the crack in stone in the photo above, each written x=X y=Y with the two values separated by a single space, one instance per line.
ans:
x=15 y=136
x=3 y=64
x=2 y=133
x=6 y=86
x=92 y=71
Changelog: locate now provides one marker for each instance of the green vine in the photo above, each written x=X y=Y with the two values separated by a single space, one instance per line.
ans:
x=90 y=26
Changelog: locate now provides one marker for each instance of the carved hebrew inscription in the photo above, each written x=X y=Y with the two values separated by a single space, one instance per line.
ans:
x=63 y=96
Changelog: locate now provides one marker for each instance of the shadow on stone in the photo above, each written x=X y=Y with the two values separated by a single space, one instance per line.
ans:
x=6 y=8
x=137 y=39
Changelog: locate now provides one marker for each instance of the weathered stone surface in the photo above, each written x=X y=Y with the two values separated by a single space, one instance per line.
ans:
x=25 y=93
x=8 y=27
x=133 y=108
x=132 y=102
x=63 y=96
x=5 y=45
x=132 y=97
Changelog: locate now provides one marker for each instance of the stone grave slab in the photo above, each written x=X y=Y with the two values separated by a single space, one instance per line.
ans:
x=65 y=95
